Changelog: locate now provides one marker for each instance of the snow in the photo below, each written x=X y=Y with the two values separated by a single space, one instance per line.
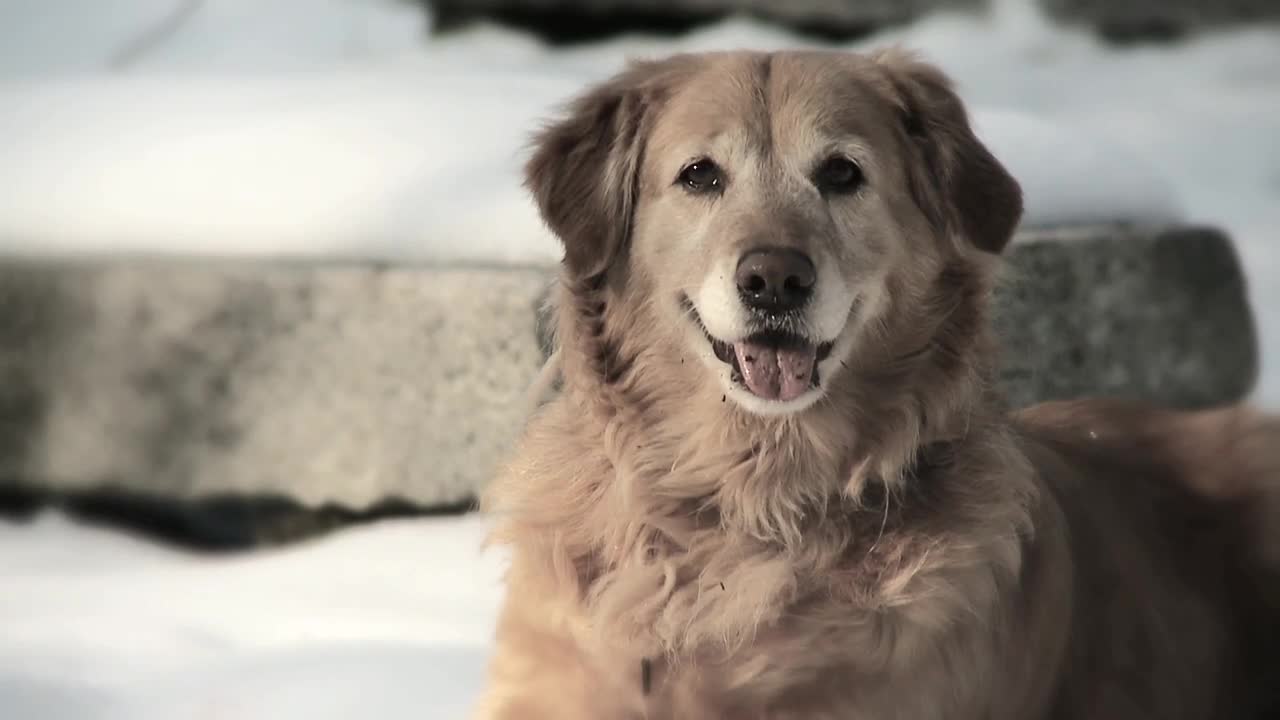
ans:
x=335 y=128
x=1058 y=170
x=39 y=38
x=242 y=133
x=273 y=165
x=389 y=620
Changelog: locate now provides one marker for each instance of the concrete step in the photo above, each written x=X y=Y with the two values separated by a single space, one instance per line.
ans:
x=349 y=391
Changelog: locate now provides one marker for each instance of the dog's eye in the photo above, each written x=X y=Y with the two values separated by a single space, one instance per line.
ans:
x=838 y=174
x=701 y=176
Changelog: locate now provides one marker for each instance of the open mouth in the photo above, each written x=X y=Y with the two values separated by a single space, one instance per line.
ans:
x=771 y=364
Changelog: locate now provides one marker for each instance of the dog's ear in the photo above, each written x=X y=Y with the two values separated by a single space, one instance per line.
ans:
x=954 y=178
x=584 y=172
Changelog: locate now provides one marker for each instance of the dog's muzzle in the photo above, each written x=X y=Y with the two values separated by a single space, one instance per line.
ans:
x=772 y=363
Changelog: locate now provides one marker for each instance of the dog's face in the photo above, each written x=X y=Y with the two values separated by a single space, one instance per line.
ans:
x=760 y=205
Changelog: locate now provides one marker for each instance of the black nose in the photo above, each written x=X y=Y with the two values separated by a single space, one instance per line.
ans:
x=775 y=279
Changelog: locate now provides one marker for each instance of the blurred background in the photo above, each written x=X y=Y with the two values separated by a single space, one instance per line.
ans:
x=269 y=294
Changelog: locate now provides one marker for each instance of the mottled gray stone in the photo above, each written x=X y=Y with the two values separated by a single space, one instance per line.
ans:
x=234 y=403
x=826 y=16
x=324 y=384
x=1149 y=314
x=1117 y=19
x=1125 y=19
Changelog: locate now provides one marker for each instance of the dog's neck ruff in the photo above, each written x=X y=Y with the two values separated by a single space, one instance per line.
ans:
x=689 y=448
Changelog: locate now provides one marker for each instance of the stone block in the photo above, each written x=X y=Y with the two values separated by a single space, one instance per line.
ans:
x=326 y=385
x=1159 y=19
x=569 y=19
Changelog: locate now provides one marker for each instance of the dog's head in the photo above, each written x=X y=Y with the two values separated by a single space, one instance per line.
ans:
x=771 y=214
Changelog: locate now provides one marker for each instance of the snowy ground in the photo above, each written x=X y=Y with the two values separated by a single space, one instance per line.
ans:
x=333 y=128
x=388 y=621
x=394 y=152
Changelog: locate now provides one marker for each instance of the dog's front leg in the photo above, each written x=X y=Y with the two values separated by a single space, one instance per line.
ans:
x=536 y=671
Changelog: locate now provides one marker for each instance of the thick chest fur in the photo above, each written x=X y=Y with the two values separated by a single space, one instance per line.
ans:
x=814 y=665
x=914 y=639
x=896 y=608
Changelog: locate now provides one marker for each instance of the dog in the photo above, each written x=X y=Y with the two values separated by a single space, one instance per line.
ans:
x=777 y=481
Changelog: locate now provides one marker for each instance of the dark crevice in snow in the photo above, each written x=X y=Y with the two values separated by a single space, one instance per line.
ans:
x=214 y=523
x=570 y=26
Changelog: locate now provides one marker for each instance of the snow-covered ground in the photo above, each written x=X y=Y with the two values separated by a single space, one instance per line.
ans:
x=210 y=143
x=338 y=128
x=389 y=621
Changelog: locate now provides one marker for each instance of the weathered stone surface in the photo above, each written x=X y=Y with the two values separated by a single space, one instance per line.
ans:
x=236 y=403
x=583 y=19
x=1151 y=314
x=1137 y=19
x=324 y=384
x=830 y=17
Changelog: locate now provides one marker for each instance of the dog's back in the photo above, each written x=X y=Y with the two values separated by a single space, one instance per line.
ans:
x=1168 y=516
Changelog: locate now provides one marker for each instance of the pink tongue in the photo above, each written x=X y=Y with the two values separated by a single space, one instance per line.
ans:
x=776 y=374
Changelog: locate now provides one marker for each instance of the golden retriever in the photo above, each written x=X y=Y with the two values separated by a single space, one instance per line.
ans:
x=778 y=481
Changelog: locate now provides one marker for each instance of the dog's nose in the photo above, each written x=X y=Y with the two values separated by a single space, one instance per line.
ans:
x=775 y=279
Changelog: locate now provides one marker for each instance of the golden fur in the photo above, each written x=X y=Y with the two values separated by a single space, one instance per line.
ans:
x=898 y=547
